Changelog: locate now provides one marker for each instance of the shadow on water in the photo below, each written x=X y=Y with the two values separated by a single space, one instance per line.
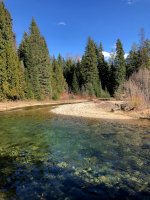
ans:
x=53 y=182
x=45 y=156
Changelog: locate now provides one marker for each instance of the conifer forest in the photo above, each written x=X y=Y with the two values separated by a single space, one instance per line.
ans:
x=74 y=127
x=30 y=72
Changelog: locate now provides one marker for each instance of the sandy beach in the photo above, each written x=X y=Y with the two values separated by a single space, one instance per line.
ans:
x=80 y=108
x=10 y=105
x=92 y=109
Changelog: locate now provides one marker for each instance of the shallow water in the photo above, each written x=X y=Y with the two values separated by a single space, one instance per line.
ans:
x=45 y=156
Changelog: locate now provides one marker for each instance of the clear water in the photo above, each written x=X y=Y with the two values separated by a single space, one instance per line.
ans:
x=45 y=156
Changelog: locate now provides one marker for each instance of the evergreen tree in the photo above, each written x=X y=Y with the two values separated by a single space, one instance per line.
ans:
x=75 y=84
x=147 y=44
x=97 y=51
x=14 y=41
x=132 y=61
x=29 y=54
x=61 y=61
x=111 y=83
x=82 y=75
x=11 y=86
x=58 y=81
x=144 y=51
x=78 y=74
x=103 y=68
x=21 y=75
x=68 y=72
x=35 y=55
x=119 y=70
x=90 y=70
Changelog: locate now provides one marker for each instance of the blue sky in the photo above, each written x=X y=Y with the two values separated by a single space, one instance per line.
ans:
x=66 y=24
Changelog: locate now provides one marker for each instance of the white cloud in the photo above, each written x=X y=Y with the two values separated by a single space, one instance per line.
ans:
x=62 y=23
x=130 y=2
x=107 y=55
x=126 y=54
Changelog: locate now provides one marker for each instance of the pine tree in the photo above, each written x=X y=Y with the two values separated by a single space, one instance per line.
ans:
x=82 y=75
x=75 y=84
x=35 y=55
x=45 y=69
x=68 y=72
x=58 y=81
x=147 y=44
x=78 y=74
x=11 y=86
x=143 y=51
x=90 y=70
x=132 y=61
x=22 y=82
x=61 y=61
x=111 y=82
x=119 y=70
x=103 y=68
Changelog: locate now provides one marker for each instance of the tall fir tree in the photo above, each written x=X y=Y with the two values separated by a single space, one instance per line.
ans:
x=11 y=85
x=119 y=69
x=35 y=55
x=143 y=51
x=58 y=82
x=90 y=69
x=147 y=44
x=61 y=61
x=103 y=68
x=111 y=63
x=78 y=74
x=82 y=69
x=132 y=61
x=68 y=72
x=75 y=84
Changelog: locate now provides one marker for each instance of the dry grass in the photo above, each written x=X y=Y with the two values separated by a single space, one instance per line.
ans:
x=137 y=89
x=136 y=102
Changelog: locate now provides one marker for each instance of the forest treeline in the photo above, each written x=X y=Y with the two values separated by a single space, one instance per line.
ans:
x=28 y=72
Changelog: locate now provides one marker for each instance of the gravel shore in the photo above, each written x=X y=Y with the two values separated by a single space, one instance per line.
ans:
x=91 y=110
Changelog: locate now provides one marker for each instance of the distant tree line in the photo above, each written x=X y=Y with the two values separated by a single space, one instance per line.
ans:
x=30 y=73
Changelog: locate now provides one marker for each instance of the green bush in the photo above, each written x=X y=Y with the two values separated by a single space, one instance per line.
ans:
x=104 y=94
x=71 y=96
x=55 y=97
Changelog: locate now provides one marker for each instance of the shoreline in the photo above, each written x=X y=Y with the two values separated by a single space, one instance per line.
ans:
x=86 y=108
x=97 y=110
x=12 y=105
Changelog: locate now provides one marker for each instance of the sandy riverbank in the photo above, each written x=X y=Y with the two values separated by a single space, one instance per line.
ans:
x=10 y=105
x=80 y=108
x=93 y=109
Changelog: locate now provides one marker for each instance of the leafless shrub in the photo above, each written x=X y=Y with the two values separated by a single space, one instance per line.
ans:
x=137 y=88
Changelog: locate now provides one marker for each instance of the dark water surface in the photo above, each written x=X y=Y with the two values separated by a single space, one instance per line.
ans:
x=45 y=156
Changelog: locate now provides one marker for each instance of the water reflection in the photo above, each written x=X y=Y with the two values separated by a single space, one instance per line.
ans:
x=44 y=156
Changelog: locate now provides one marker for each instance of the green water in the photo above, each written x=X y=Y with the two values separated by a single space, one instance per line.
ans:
x=45 y=156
